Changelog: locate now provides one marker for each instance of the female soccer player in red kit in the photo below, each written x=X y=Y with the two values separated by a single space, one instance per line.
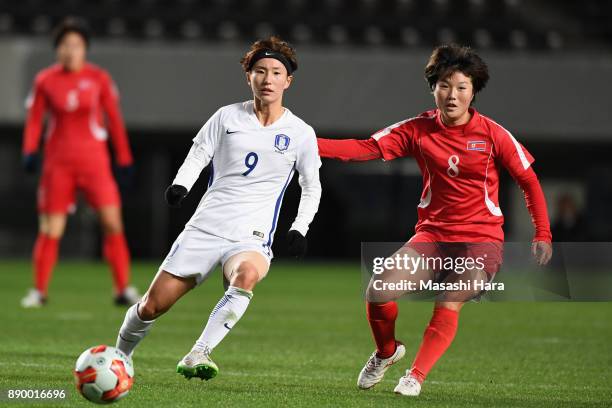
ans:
x=458 y=151
x=76 y=94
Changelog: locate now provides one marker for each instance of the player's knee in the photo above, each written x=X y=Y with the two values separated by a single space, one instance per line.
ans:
x=149 y=309
x=387 y=287
x=375 y=295
x=112 y=227
x=110 y=220
x=43 y=227
x=246 y=276
x=452 y=303
x=371 y=295
x=54 y=231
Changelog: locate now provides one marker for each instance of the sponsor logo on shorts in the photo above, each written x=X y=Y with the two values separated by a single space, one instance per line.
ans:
x=258 y=234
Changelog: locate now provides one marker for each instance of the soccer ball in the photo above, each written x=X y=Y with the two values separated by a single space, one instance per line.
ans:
x=103 y=374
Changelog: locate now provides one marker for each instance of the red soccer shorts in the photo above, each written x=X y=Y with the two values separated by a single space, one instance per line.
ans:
x=431 y=245
x=59 y=184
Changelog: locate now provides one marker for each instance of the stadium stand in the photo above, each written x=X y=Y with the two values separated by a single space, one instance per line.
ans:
x=487 y=24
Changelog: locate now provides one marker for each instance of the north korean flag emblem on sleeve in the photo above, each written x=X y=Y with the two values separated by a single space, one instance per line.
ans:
x=478 y=145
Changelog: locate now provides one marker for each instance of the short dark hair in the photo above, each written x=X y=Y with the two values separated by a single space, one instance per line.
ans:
x=71 y=25
x=447 y=59
x=273 y=43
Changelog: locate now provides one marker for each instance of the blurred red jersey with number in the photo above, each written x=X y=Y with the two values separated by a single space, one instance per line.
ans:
x=76 y=129
x=459 y=164
x=80 y=106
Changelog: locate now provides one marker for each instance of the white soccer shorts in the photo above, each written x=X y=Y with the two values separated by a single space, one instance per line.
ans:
x=196 y=253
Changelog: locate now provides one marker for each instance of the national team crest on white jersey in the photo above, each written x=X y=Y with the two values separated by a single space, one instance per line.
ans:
x=281 y=142
x=253 y=166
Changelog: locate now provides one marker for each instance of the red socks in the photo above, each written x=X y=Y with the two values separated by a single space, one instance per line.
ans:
x=115 y=251
x=381 y=317
x=44 y=259
x=117 y=254
x=438 y=336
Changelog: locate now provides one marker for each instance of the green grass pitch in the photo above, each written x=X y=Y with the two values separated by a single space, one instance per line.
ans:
x=302 y=343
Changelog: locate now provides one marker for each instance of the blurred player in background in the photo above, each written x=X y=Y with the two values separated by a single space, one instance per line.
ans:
x=255 y=148
x=458 y=151
x=76 y=94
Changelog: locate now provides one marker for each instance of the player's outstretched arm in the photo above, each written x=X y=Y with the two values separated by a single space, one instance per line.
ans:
x=307 y=165
x=197 y=158
x=37 y=106
x=536 y=205
x=517 y=160
x=109 y=98
x=200 y=154
x=349 y=149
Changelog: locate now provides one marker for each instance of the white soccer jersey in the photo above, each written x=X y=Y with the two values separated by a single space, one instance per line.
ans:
x=252 y=166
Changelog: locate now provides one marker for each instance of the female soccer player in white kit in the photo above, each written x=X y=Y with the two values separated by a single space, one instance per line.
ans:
x=255 y=147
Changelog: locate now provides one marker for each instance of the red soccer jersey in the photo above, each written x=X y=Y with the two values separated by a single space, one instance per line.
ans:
x=76 y=103
x=459 y=164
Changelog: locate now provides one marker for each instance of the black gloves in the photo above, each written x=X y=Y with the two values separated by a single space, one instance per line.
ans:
x=296 y=243
x=31 y=162
x=125 y=176
x=175 y=194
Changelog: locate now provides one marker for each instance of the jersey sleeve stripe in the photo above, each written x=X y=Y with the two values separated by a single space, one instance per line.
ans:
x=493 y=209
x=279 y=200
x=388 y=129
x=212 y=172
x=425 y=201
x=519 y=149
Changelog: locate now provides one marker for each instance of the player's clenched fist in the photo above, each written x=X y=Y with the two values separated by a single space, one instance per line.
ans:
x=296 y=243
x=175 y=195
x=31 y=162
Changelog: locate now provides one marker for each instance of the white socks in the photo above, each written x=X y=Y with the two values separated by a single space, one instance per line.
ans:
x=224 y=316
x=132 y=331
